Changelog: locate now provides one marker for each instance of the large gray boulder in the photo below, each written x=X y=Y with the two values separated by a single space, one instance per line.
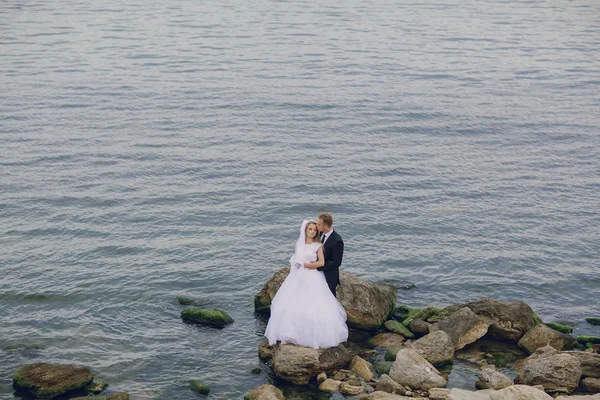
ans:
x=436 y=347
x=491 y=379
x=543 y=335
x=461 y=394
x=590 y=363
x=299 y=365
x=463 y=327
x=556 y=372
x=367 y=304
x=508 y=321
x=520 y=392
x=410 y=369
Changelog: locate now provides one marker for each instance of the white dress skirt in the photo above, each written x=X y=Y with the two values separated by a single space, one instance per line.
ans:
x=304 y=311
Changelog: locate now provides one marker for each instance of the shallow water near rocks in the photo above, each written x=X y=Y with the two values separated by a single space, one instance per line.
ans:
x=160 y=149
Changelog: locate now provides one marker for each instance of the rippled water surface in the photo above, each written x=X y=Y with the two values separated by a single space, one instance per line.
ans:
x=155 y=149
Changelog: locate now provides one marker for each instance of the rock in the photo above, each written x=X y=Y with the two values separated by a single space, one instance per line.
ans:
x=543 y=335
x=265 y=351
x=212 y=317
x=386 y=340
x=423 y=315
x=591 y=384
x=508 y=321
x=383 y=367
x=255 y=371
x=461 y=394
x=352 y=390
x=555 y=372
x=399 y=328
x=378 y=395
x=330 y=385
x=341 y=375
x=520 y=392
x=362 y=368
x=410 y=369
x=321 y=377
x=367 y=304
x=298 y=365
x=419 y=327
x=438 y=393
x=199 y=387
x=491 y=379
x=390 y=354
x=463 y=327
x=436 y=347
x=580 y=397
x=403 y=312
x=387 y=384
x=265 y=392
x=96 y=387
x=593 y=321
x=50 y=380
x=560 y=327
x=588 y=339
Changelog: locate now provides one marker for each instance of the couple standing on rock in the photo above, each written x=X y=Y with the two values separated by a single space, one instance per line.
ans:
x=305 y=310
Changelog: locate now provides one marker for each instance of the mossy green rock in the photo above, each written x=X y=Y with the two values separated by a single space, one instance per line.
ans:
x=112 y=396
x=593 y=321
x=207 y=316
x=560 y=327
x=397 y=327
x=588 y=339
x=403 y=312
x=199 y=387
x=46 y=381
x=383 y=367
x=424 y=314
x=391 y=353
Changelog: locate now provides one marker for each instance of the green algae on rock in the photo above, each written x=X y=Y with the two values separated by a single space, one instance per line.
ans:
x=199 y=387
x=112 y=396
x=559 y=327
x=46 y=381
x=207 y=316
x=588 y=339
x=403 y=312
x=593 y=321
x=424 y=314
x=399 y=328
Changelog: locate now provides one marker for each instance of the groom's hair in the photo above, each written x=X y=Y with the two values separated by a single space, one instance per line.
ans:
x=326 y=218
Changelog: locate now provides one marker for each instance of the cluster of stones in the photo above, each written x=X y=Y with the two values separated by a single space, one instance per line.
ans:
x=420 y=341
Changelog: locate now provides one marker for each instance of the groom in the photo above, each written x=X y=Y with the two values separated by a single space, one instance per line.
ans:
x=333 y=248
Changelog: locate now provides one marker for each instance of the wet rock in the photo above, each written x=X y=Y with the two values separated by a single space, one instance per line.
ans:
x=46 y=381
x=588 y=339
x=198 y=387
x=491 y=379
x=543 y=335
x=386 y=340
x=461 y=394
x=403 y=312
x=398 y=328
x=298 y=365
x=419 y=327
x=205 y=316
x=425 y=315
x=556 y=372
x=383 y=367
x=96 y=387
x=265 y=392
x=330 y=385
x=562 y=328
x=362 y=368
x=593 y=321
x=410 y=369
x=388 y=385
x=112 y=396
x=265 y=351
x=390 y=354
x=436 y=347
x=463 y=327
x=367 y=304
x=520 y=392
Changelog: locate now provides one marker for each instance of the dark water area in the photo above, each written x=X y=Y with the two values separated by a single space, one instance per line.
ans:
x=156 y=149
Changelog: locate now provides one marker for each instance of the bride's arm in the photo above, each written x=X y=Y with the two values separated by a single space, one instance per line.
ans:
x=320 y=260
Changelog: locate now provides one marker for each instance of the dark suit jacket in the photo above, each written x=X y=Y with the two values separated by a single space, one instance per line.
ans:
x=333 y=251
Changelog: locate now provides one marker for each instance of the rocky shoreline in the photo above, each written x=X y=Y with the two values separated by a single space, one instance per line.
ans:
x=405 y=353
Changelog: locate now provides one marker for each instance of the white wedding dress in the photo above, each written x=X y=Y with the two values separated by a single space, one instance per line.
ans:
x=304 y=311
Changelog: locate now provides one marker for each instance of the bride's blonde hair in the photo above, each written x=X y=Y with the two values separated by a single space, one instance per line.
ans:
x=316 y=238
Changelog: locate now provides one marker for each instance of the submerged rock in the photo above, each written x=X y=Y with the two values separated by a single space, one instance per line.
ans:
x=212 y=317
x=593 y=321
x=199 y=387
x=112 y=396
x=560 y=327
x=367 y=304
x=46 y=381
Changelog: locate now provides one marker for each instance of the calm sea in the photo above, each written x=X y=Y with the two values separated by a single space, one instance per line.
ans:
x=151 y=149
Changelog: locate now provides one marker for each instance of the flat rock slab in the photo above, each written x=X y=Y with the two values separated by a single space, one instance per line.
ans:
x=46 y=381
x=460 y=394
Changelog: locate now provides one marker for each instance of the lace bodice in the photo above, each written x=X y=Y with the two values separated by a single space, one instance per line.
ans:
x=310 y=252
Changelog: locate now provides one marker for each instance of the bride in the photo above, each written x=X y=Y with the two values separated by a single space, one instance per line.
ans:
x=304 y=311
